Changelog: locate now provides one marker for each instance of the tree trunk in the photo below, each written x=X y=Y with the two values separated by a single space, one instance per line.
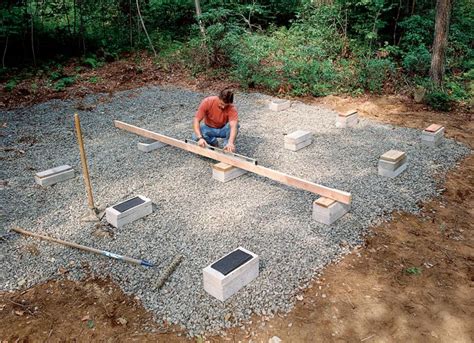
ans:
x=144 y=29
x=67 y=18
x=74 y=7
x=198 y=14
x=203 y=31
x=82 y=39
x=33 y=40
x=130 y=23
x=5 y=52
x=443 y=12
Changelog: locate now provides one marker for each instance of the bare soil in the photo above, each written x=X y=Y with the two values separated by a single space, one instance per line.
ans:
x=412 y=281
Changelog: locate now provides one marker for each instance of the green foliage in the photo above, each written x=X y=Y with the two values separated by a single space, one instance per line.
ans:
x=63 y=83
x=374 y=73
x=56 y=75
x=417 y=60
x=94 y=79
x=10 y=85
x=413 y=271
x=290 y=46
x=417 y=30
x=456 y=90
x=439 y=100
x=90 y=62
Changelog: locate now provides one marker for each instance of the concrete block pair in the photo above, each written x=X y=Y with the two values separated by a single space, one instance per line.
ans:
x=392 y=163
x=433 y=135
x=298 y=140
x=347 y=119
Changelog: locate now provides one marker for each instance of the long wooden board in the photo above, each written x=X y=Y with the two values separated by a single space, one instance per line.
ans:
x=286 y=179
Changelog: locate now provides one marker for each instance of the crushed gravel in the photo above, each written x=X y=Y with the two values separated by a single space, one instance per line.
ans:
x=195 y=215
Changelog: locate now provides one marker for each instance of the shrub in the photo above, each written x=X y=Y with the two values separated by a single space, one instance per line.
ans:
x=417 y=60
x=374 y=73
x=10 y=85
x=61 y=84
x=90 y=62
x=56 y=75
x=438 y=100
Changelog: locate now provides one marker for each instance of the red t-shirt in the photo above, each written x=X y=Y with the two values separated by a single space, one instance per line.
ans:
x=213 y=115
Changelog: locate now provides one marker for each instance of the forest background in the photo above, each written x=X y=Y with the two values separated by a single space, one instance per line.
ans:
x=290 y=47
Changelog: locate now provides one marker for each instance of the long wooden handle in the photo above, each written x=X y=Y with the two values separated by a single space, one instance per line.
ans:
x=85 y=168
x=83 y=247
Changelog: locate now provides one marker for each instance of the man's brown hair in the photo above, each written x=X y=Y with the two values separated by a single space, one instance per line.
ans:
x=227 y=95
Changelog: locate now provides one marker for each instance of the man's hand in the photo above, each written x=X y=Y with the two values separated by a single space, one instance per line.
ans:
x=202 y=143
x=229 y=147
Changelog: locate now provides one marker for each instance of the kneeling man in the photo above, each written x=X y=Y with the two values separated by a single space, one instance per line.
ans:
x=215 y=118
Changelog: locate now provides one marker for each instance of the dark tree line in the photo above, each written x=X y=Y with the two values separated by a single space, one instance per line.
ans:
x=420 y=36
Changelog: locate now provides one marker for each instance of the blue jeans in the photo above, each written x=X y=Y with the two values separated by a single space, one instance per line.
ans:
x=211 y=134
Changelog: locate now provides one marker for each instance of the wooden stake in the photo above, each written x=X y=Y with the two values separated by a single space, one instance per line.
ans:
x=83 y=247
x=85 y=169
x=286 y=179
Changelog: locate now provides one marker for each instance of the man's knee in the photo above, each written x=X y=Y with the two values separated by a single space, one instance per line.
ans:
x=227 y=128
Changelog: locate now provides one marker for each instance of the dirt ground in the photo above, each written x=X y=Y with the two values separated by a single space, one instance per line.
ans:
x=411 y=282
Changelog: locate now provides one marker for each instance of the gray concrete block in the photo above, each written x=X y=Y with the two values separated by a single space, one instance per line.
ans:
x=328 y=215
x=349 y=120
x=432 y=138
x=298 y=137
x=150 y=145
x=224 y=172
x=392 y=166
x=392 y=173
x=279 y=105
x=223 y=286
x=296 y=147
x=54 y=175
x=118 y=218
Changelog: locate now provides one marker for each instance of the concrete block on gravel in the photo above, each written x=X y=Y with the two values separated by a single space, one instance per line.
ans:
x=327 y=211
x=54 y=175
x=279 y=105
x=150 y=145
x=229 y=274
x=433 y=135
x=347 y=119
x=392 y=163
x=128 y=211
x=224 y=172
x=298 y=140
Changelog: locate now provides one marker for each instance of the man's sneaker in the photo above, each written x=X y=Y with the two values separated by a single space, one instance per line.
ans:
x=215 y=144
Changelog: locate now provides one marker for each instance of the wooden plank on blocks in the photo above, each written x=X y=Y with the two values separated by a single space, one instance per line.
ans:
x=393 y=155
x=433 y=128
x=325 y=202
x=275 y=175
x=223 y=167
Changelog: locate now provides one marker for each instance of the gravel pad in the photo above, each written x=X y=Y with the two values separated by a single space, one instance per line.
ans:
x=195 y=215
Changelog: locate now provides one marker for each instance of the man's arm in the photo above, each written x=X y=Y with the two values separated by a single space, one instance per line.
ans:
x=233 y=133
x=200 y=114
x=197 y=130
